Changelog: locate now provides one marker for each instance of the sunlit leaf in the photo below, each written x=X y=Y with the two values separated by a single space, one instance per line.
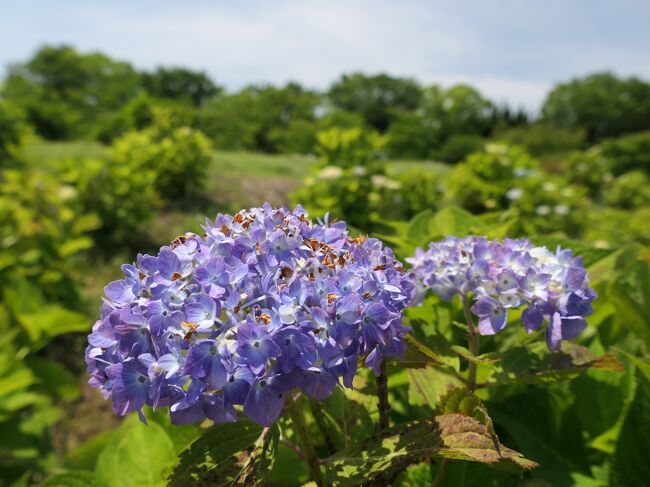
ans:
x=136 y=455
x=240 y=453
x=534 y=364
x=453 y=436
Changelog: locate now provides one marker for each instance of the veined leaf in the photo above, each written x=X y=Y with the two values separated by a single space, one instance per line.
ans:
x=240 y=453
x=429 y=384
x=465 y=402
x=535 y=365
x=454 y=436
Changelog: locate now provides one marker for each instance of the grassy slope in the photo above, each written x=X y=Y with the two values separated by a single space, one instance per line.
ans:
x=235 y=179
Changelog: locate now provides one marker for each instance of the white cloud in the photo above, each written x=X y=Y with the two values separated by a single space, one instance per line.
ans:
x=512 y=51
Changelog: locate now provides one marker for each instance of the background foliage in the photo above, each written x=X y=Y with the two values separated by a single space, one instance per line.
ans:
x=99 y=160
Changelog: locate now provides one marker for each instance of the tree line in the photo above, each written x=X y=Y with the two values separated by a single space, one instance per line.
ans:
x=65 y=95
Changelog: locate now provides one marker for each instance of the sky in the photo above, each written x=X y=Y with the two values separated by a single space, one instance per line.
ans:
x=513 y=51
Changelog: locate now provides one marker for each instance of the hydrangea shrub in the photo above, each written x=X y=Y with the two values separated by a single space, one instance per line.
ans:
x=267 y=311
x=552 y=287
x=264 y=302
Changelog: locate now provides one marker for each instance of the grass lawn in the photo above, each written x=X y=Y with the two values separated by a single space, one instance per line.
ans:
x=235 y=179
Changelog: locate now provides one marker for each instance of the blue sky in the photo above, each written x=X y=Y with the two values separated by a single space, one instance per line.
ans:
x=512 y=50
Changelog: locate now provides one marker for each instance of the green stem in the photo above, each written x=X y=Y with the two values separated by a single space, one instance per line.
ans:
x=442 y=470
x=319 y=418
x=473 y=345
x=382 y=395
x=300 y=428
x=473 y=338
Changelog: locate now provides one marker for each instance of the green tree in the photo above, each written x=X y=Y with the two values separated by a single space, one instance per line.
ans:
x=181 y=84
x=64 y=92
x=255 y=117
x=410 y=137
x=459 y=109
x=601 y=103
x=379 y=98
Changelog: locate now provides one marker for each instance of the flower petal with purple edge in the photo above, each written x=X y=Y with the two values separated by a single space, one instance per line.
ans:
x=203 y=361
x=532 y=319
x=130 y=384
x=318 y=383
x=202 y=310
x=563 y=328
x=264 y=403
x=492 y=315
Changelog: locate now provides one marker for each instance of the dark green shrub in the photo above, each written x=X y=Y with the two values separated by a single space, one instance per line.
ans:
x=628 y=153
x=350 y=181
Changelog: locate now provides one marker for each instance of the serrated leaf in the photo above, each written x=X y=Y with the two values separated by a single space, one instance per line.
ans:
x=463 y=401
x=240 y=453
x=454 y=436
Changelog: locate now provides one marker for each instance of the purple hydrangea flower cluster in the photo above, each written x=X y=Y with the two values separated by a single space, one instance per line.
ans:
x=498 y=276
x=266 y=301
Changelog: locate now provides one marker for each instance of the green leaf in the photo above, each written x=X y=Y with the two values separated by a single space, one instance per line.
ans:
x=452 y=220
x=643 y=364
x=465 y=402
x=600 y=398
x=630 y=295
x=467 y=355
x=429 y=384
x=240 y=453
x=181 y=435
x=534 y=364
x=20 y=379
x=473 y=474
x=544 y=424
x=345 y=416
x=85 y=456
x=136 y=455
x=50 y=321
x=454 y=436
x=419 y=228
x=418 y=355
x=54 y=378
x=73 y=479
x=630 y=466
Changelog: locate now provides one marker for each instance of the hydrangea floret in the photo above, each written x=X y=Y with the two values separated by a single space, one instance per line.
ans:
x=552 y=287
x=264 y=302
